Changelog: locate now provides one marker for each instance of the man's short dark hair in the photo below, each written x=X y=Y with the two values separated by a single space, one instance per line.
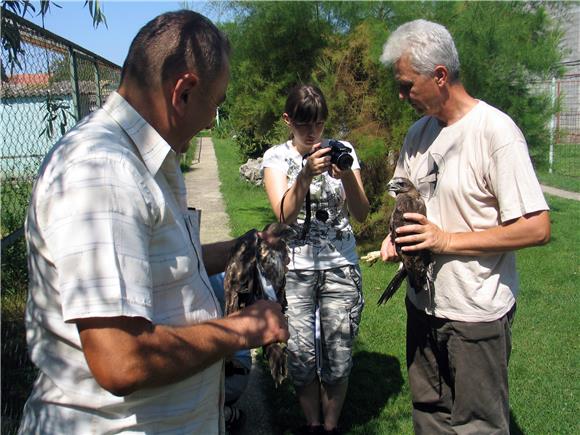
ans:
x=174 y=43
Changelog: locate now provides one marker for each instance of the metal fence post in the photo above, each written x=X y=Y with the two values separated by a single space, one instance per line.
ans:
x=552 y=125
x=75 y=83
x=98 y=82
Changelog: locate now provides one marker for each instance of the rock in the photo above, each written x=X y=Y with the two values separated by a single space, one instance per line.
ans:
x=251 y=171
x=392 y=157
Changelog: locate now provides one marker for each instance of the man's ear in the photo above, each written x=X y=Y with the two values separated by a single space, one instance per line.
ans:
x=184 y=91
x=441 y=75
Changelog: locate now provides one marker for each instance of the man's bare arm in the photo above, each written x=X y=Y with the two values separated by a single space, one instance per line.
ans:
x=529 y=230
x=126 y=354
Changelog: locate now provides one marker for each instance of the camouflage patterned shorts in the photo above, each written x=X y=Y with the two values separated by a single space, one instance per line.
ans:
x=338 y=293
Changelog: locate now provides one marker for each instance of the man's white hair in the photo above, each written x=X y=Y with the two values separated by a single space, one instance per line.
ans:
x=427 y=44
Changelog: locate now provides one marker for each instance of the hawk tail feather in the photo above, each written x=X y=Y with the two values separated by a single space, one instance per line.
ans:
x=393 y=286
x=430 y=279
x=276 y=355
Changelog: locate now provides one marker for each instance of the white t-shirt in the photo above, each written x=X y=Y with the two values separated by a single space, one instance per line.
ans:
x=109 y=234
x=473 y=175
x=330 y=242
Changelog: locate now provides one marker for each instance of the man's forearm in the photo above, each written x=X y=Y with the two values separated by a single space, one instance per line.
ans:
x=171 y=354
x=126 y=354
x=531 y=230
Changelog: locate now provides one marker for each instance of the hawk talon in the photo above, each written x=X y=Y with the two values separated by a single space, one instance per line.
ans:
x=371 y=257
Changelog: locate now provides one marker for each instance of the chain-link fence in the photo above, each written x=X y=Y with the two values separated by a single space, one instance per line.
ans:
x=565 y=153
x=48 y=84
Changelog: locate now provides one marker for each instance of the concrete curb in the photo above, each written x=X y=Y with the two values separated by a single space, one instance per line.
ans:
x=561 y=193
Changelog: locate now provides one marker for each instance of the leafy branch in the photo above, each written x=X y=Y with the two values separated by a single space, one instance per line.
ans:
x=57 y=111
x=11 y=38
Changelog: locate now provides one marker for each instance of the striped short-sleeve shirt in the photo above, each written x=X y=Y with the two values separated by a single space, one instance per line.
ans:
x=109 y=234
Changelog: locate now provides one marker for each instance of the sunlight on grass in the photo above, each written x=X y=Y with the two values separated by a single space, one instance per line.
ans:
x=246 y=204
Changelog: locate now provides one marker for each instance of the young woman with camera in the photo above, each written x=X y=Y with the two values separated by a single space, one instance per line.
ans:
x=314 y=184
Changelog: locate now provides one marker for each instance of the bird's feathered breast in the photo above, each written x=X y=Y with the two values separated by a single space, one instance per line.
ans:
x=409 y=202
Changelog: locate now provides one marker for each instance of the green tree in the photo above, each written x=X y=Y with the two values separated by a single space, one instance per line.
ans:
x=503 y=46
x=275 y=45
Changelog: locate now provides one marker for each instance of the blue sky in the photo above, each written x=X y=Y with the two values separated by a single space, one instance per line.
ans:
x=124 y=19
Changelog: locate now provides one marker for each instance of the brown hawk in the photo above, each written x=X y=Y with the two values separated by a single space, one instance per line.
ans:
x=417 y=266
x=257 y=270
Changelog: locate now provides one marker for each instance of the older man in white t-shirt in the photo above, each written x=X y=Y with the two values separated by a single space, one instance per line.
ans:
x=471 y=165
x=121 y=319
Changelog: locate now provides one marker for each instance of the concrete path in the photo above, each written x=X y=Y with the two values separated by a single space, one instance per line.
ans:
x=561 y=193
x=203 y=192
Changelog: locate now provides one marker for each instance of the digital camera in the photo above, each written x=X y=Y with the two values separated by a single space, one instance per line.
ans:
x=339 y=154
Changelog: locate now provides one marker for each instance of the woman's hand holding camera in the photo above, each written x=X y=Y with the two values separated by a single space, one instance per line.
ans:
x=317 y=162
x=340 y=174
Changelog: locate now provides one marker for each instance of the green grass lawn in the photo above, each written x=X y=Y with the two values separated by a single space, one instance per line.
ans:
x=246 y=204
x=565 y=168
x=545 y=358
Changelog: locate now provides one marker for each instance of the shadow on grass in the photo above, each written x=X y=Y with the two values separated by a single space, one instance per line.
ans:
x=515 y=428
x=375 y=379
x=18 y=374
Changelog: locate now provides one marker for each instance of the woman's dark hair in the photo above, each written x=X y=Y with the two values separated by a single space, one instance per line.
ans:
x=306 y=103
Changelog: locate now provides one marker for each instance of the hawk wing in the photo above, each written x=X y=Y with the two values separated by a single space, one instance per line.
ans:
x=273 y=258
x=240 y=277
x=254 y=264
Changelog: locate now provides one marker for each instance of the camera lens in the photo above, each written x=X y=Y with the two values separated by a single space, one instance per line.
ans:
x=344 y=161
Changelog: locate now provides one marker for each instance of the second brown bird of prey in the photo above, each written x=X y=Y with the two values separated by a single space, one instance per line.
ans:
x=257 y=270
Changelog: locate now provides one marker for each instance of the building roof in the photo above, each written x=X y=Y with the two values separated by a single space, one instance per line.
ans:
x=23 y=89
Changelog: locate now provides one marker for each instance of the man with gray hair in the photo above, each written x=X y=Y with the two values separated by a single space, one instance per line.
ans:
x=471 y=165
x=121 y=318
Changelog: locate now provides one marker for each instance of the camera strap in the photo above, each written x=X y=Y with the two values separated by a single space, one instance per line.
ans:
x=306 y=226
x=307 y=218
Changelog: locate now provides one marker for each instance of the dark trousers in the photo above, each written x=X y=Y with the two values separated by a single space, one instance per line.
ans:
x=458 y=374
